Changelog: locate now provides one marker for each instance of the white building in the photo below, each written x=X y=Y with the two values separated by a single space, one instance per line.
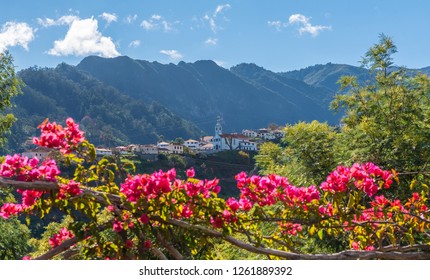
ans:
x=236 y=141
x=247 y=145
x=170 y=148
x=205 y=140
x=233 y=141
x=192 y=144
x=176 y=148
x=265 y=134
x=163 y=145
x=101 y=152
x=207 y=147
x=278 y=133
x=122 y=150
x=249 y=133
x=149 y=149
x=41 y=153
x=133 y=148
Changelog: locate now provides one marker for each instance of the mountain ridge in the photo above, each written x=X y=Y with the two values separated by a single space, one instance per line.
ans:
x=203 y=89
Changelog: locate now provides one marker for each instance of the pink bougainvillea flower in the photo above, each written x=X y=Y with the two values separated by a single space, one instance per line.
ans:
x=355 y=245
x=233 y=204
x=60 y=237
x=24 y=169
x=70 y=189
x=290 y=228
x=369 y=248
x=9 y=209
x=144 y=219
x=117 y=226
x=191 y=173
x=365 y=177
x=29 y=197
x=55 y=136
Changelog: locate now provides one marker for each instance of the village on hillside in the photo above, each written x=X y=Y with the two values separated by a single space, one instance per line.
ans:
x=248 y=140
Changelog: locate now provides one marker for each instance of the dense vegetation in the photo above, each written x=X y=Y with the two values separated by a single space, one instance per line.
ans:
x=13 y=234
x=109 y=117
x=386 y=121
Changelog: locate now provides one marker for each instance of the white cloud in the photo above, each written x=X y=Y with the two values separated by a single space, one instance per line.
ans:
x=83 y=38
x=303 y=22
x=157 y=22
x=131 y=18
x=213 y=25
x=172 y=54
x=306 y=26
x=15 y=34
x=156 y=17
x=147 y=25
x=46 y=22
x=277 y=24
x=109 y=18
x=67 y=20
x=211 y=41
x=134 y=44
x=167 y=26
x=220 y=8
x=212 y=19
x=64 y=20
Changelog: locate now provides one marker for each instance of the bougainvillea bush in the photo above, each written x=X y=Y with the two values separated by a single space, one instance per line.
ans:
x=113 y=213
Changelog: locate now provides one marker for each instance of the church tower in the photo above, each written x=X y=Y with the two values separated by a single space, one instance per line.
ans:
x=216 y=140
x=218 y=127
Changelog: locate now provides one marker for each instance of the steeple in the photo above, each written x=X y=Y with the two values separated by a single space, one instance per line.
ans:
x=218 y=127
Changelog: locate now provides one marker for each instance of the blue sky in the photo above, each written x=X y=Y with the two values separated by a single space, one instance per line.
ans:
x=279 y=35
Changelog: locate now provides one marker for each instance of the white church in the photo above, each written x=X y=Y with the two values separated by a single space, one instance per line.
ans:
x=231 y=141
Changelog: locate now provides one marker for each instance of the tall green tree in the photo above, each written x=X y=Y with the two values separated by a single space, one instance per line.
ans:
x=308 y=155
x=387 y=121
x=13 y=234
x=10 y=86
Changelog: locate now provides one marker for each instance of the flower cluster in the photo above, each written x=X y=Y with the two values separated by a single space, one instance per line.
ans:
x=290 y=228
x=326 y=210
x=28 y=170
x=60 y=237
x=72 y=188
x=148 y=186
x=9 y=209
x=55 y=136
x=202 y=187
x=364 y=177
x=357 y=246
x=264 y=191
x=24 y=169
x=268 y=190
x=117 y=226
x=29 y=197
